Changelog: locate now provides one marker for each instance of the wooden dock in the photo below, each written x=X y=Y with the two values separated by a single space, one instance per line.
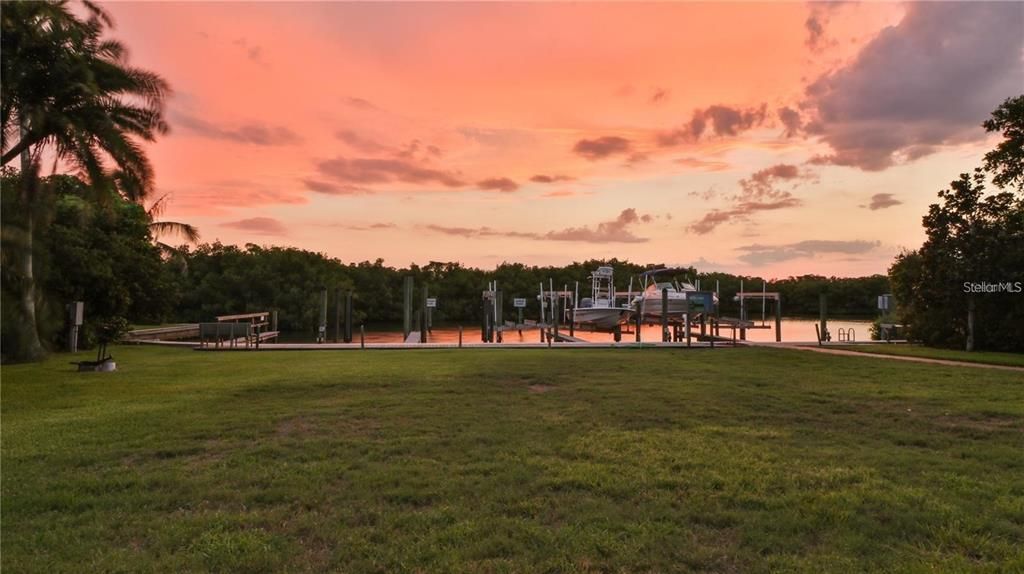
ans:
x=165 y=333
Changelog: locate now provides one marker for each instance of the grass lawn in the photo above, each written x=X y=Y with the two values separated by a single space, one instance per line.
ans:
x=654 y=460
x=987 y=357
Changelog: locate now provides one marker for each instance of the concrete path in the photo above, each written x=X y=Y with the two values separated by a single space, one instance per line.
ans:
x=946 y=362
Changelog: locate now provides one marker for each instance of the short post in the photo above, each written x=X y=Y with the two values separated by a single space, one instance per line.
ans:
x=664 y=315
x=817 y=333
x=639 y=322
x=549 y=338
x=460 y=336
x=362 y=336
x=712 y=338
x=273 y=320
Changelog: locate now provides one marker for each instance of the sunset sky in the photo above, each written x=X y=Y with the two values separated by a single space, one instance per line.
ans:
x=763 y=138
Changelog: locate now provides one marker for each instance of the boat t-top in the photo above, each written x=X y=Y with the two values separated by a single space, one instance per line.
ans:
x=649 y=301
x=600 y=310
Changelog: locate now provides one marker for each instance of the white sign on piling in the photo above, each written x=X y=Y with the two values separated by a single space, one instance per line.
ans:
x=432 y=302
x=519 y=303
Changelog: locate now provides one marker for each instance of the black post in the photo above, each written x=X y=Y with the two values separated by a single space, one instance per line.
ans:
x=362 y=336
x=639 y=322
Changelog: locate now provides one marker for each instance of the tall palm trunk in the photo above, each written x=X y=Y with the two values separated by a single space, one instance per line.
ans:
x=31 y=347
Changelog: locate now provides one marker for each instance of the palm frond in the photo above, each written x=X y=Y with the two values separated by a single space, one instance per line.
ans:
x=189 y=232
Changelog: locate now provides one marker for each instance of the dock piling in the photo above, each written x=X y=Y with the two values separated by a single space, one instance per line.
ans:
x=823 y=309
x=423 y=316
x=322 y=330
x=778 y=320
x=664 y=316
x=407 y=318
x=686 y=320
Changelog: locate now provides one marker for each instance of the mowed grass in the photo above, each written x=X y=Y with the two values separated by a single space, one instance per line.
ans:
x=985 y=357
x=652 y=460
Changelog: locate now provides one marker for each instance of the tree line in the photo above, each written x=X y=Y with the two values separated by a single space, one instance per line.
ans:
x=70 y=97
x=965 y=286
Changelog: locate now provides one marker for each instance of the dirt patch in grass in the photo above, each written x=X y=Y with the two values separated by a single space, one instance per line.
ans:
x=988 y=424
x=539 y=388
x=294 y=427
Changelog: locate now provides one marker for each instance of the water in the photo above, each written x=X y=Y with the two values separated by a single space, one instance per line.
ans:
x=793 y=330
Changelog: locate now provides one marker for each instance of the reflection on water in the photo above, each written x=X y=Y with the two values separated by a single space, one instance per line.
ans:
x=793 y=330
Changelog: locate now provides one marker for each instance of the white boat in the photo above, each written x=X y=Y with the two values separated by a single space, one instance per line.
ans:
x=599 y=310
x=649 y=301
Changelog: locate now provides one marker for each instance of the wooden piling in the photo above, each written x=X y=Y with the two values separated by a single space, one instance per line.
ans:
x=555 y=311
x=322 y=330
x=778 y=319
x=406 y=307
x=664 y=315
x=362 y=336
x=460 y=336
x=823 y=309
x=686 y=320
x=499 y=320
x=423 y=317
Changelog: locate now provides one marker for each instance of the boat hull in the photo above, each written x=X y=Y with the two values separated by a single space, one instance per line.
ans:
x=603 y=317
x=652 y=306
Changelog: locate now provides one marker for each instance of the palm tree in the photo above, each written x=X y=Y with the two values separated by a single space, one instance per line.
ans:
x=159 y=228
x=69 y=91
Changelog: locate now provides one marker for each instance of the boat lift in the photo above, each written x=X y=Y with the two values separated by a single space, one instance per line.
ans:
x=764 y=296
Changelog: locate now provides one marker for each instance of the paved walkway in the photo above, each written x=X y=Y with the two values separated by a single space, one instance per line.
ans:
x=946 y=362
